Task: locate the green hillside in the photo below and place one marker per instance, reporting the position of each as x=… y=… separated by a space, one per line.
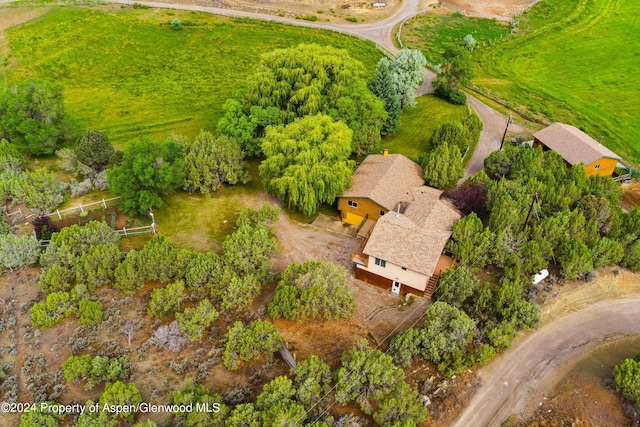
x=126 y=72
x=575 y=61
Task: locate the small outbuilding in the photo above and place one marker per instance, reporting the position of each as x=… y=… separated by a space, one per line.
x=577 y=147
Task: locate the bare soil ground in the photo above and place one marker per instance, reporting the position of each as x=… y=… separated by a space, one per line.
x=631 y=197
x=494 y=7
x=157 y=371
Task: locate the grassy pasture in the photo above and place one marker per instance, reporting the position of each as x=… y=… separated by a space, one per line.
x=127 y=73
x=575 y=61
x=431 y=32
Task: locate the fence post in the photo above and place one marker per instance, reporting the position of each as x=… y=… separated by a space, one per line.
x=58 y=212
x=81 y=210
x=125 y=230
x=103 y=203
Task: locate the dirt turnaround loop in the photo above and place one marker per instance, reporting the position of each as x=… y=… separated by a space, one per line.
x=575 y=322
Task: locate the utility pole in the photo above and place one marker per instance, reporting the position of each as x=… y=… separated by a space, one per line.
x=505 y=131
x=534 y=198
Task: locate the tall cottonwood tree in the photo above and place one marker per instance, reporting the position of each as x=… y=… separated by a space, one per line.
x=307 y=162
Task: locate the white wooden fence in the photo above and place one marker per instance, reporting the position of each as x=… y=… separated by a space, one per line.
x=124 y=232
x=79 y=209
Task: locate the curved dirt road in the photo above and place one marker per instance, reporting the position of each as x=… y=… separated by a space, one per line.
x=515 y=382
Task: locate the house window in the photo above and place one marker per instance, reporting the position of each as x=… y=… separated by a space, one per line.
x=352 y=204
x=381 y=213
x=597 y=166
x=382 y=263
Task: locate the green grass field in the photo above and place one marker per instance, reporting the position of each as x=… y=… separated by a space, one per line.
x=127 y=73
x=417 y=124
x=431 y=32
x=576 y=61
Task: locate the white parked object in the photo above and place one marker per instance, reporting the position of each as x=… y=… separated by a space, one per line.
x=540 y=276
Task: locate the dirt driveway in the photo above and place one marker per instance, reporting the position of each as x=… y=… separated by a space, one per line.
x=377 y=312
x=576 y=321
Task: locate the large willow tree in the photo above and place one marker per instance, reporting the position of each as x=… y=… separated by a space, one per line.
x=305 y=80
x=307 y=161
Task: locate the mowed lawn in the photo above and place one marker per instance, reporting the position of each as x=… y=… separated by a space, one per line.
x=417 y=124
x=127 y=73
x=576 y=61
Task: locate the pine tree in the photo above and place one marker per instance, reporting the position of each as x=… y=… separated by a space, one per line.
x=443 y=167
x=384 y=87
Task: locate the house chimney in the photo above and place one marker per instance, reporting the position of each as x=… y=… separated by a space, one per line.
x=385 y=152
x=398 y=213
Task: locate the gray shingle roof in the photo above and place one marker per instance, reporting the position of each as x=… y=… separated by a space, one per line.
x=573 y=145
x=414 y=240
x=386 y=180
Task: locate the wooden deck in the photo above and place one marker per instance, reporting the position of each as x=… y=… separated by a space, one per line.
x=365 y=230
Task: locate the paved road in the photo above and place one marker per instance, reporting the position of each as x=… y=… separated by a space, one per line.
x=518 y=379
x=491 y=136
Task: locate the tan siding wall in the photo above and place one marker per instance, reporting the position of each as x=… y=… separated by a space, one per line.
x=353 y=215
x=395 y=272
x=607 y=166
x=383 y=282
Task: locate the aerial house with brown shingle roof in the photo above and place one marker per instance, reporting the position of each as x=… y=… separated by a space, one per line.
x=379 y=184
x=404 y=252
x=577 y=147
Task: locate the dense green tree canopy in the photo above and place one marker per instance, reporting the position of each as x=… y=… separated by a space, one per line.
x=147 y=171
x=371 y=378
x=313 y=289
x=32 y=116
x=383 y=86
x=41 y=191
x=306 y=80
x=94 y=150
x=456 y=285
x=193 y=321
x=443 y=166
x=244 y=343
x=211 y=161
x=626 y=379
x=457 y=68
x=72 y=242
x=408 y=69
x=307 y=162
